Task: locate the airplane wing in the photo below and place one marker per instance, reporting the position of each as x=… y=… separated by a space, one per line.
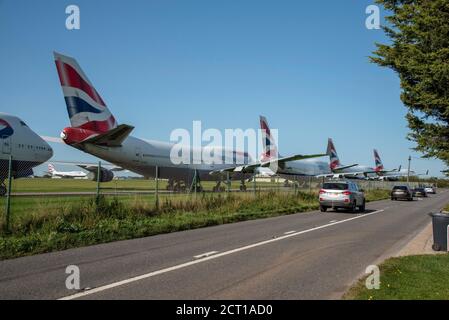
x=342 y=174
x=283 y=160
x=250 y=168
x=381 y=172
x=112 y=138
x=346 y=167
x=345 y=174
x=92 y=166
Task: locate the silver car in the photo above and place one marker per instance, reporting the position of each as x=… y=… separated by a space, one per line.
x=341 y=194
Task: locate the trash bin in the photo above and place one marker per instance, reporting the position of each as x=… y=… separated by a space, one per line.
x=440 y=222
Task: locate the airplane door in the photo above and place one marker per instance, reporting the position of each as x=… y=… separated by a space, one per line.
x=6 y=146
x=138 y=153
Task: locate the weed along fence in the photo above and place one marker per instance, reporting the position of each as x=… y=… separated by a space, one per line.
x=26 y=199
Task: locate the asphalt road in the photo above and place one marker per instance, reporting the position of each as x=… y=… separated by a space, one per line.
x=302 y=256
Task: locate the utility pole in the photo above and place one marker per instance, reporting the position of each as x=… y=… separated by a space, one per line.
x=408 y=171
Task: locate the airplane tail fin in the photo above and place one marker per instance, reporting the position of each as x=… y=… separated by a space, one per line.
x=85 y=107
x=270 y=149
x=378 y=161
x=333 y=156
x=51 y=168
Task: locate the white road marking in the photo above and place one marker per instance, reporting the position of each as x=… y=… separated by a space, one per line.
x=333 y=221
x=213 y=257
x=205 y=255
x=289 y=232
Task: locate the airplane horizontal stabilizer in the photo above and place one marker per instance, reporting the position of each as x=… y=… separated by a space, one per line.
x=112 y=138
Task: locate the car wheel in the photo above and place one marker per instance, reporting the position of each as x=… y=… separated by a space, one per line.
x=323 y=208
x=362 y=207
x=353 y=207
x=436 y=247
x=392 y=199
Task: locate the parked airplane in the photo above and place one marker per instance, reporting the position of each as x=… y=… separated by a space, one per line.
x=95 y=130
x=394 y=174
x=65 y=174
x=288 y=167
x=26 y=148
x=391 y=175
x=349 y=171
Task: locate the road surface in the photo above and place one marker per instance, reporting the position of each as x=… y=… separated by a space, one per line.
x=302 y=256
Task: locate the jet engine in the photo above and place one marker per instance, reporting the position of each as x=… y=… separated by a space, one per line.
x=105 y=175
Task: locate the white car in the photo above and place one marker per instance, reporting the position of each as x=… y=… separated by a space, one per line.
x=429 y=190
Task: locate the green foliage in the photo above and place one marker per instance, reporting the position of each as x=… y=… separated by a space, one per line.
x=419 y=53
x=408 y=278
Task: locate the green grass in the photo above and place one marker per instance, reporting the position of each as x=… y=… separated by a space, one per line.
x=44 y=225
x=73 y=185
x=408 y=278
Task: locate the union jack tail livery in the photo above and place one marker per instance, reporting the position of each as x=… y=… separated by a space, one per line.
x=378 y=161
x=332 y=152
x=85 y=107
x=51 y=168
x=269 y=144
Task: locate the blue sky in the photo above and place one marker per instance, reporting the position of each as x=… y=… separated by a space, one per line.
x=161 y=64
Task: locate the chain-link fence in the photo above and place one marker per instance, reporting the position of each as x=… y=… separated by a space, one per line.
x=25 y=198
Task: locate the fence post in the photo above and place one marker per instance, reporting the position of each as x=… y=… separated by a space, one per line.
x=310 y=184
x=255 y=185
x=157 y=187
x=8 y=194
x=228 y=183
x=97 y=198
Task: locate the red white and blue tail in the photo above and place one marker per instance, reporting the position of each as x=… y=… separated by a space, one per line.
x=378 y=161
x=51 y=168
x=86 y=108
x=270 y=150
x=333 y=156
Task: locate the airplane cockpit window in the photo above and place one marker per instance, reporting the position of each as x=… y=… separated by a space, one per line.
x=23 y=123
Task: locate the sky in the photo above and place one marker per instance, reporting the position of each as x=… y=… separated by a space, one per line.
x=161 y=64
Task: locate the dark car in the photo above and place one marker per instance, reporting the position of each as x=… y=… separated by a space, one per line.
x=420 y=192
x=401 y=192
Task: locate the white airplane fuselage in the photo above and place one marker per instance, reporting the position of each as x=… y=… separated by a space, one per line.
x=307 y=167
x=143 y=156
x=360 y=168
x=26 y=148
x=69 y=174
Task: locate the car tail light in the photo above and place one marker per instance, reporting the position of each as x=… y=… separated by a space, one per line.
x=346 y=200
x=347 y=193
x=322 y=191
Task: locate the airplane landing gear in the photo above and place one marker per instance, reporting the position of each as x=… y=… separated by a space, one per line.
x=218 y=187
x=196 y=183
x=176 y=185
x=2 y=189
x=243 y=185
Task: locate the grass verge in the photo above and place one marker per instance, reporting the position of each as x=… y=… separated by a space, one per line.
x=83 y=223
x=423 y=277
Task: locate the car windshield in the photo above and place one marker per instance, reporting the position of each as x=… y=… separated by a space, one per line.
x=400 y=188
x=335 y=186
